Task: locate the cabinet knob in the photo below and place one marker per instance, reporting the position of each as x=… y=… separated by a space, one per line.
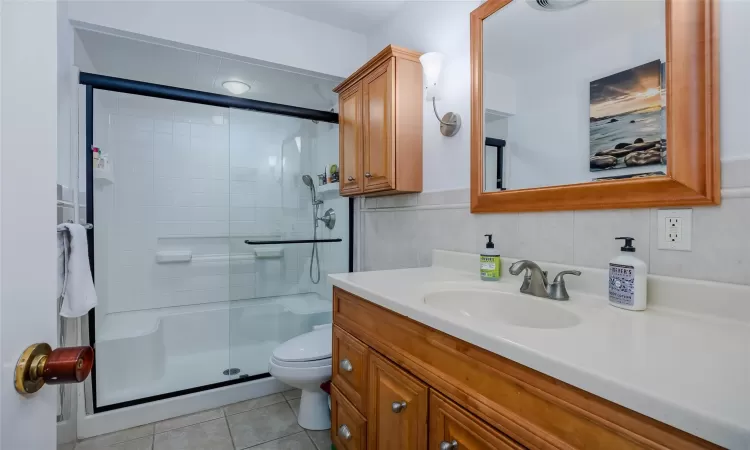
x=345 y=365
x=368 y=175
x=397 y=407
x=452 y=445
x=344 y=433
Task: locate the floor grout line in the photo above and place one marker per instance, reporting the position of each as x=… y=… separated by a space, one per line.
x=253 y=409
x=275 y=439
x=229 y=429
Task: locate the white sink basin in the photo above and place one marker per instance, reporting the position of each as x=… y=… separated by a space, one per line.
x=498 y=306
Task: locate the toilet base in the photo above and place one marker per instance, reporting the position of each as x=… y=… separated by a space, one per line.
x=313 y=410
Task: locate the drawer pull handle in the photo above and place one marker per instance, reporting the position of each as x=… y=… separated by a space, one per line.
x=345 y=365
x=452 y=445
x=351 y=178
x=344 y=433
x=368 y=175
x=397 y=407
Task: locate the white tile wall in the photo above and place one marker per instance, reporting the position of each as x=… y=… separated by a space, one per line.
x=185 y=180
x=400 y=232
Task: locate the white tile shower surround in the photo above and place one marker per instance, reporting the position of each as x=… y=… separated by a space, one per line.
x=265 y=423
x=401 y=232
x=184 y=182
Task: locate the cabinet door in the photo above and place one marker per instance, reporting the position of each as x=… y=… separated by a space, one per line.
x=350 y=141
x=397 y=408
x=348 y=427
x=379 y=144
x=453 y=428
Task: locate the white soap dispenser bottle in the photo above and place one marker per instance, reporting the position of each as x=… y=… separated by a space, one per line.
x=628 y=276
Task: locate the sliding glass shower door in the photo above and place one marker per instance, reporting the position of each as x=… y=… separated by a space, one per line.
x=204 y=256
x=278 y=286
x=161 y=246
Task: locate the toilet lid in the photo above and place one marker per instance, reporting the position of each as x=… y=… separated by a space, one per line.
x=306 y=347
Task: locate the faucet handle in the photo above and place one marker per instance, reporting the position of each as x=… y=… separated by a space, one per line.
x=559 y=277
x=557 y=289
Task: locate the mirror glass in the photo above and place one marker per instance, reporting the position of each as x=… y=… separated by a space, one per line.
x=573 y=92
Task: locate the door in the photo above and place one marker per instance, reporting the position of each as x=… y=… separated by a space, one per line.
x=28 y=249
x=379 y=139
x=397 y=413
x=455 y=429
x=350 y=141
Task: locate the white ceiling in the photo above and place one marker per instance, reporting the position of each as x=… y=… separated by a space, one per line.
x=144 y=61
x=359 y=16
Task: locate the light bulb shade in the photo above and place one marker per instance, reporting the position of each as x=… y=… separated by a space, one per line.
x=235 y=87
x=432 y=65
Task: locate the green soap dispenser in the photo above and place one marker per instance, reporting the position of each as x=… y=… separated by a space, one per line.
x=489 y=261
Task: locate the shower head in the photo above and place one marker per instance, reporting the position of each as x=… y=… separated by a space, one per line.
x=307 y=179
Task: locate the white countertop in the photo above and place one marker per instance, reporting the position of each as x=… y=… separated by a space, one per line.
x=687 y=370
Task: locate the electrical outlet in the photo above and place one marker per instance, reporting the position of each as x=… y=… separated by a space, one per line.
x=675 y=229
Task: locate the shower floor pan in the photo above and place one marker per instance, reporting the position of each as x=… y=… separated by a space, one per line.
x=141 y=354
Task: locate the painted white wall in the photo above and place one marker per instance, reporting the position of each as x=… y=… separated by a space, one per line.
x=441 y=27
x=499 y=93
x=239 y=28
x=444 y=27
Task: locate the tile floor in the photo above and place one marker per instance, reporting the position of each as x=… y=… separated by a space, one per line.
x=266 y=423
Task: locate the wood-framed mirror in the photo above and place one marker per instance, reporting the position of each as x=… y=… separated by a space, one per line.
x=586 y=99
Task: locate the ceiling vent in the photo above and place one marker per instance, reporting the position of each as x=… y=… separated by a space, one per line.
x=553 y=5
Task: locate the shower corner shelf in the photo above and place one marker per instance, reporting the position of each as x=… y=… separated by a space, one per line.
x=330 y=187
x=104 y=176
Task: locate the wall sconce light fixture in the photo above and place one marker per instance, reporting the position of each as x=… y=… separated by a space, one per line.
x=432 y=64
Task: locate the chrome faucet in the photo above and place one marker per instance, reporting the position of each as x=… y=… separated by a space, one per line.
x=535 y=280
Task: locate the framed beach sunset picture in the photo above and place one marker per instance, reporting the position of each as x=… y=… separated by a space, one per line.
x=625 y=119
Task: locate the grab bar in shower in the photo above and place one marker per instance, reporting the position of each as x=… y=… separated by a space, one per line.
x=292 y=241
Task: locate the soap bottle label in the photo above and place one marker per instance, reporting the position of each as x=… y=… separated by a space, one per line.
x=621 y=284
x=489 y=266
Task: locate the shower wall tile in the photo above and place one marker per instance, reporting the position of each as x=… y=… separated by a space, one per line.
x=184 y=183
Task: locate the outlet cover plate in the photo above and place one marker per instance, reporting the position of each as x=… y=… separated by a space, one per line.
x=675 y=229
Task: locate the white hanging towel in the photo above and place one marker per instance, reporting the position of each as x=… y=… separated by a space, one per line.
x=79 y=295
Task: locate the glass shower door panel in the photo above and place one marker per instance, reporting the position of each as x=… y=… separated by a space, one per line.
x=161 y=242
x=274 y=166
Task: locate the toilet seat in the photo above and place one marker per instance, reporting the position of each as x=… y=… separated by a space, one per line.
x=305 y=349
x=324 y=362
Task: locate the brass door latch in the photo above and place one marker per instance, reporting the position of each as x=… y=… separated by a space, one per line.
x=39 y=364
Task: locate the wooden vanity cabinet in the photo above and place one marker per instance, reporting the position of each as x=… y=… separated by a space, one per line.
x=380 y=126
x=426 y=389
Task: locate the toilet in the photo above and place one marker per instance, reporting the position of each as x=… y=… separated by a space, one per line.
x=304 y=362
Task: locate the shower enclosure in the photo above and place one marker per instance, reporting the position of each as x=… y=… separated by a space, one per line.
x=211 y=242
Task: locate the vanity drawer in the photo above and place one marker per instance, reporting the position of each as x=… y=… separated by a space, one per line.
x=534 y=409
x=350 y=358
x=452 y=424
x=348 y=426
